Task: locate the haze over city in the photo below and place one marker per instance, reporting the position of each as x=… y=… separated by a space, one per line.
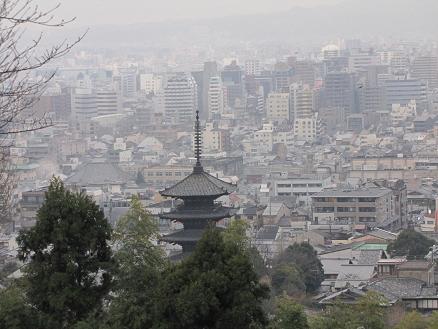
x=197 y=164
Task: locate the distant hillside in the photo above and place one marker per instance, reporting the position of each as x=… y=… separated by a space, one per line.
x=354 y=18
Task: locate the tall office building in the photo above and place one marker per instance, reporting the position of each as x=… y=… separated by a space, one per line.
x=339 y=91
x=360 y=60
x=403 y=91
x=83 y=104
x=210 y=70
x=108 y=102
x=281 y=76
x=232 y=77
x=180 y=99
x=128 y=81
x=215 y=97
x=301 y=101
x=426 y=69
x=305 y=73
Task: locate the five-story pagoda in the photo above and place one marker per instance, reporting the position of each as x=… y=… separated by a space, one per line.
x=198 y=191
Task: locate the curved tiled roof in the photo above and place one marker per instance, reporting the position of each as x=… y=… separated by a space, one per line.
x=199 y=184
x=98 y=173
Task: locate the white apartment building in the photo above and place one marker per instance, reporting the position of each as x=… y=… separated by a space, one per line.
x=277 y=107
x=180 y=99
x=401 y=114
x=215 y=96
x=301 y=101
x=252 y=67
x=307 y=129
x=151 y=83
x=301 y=187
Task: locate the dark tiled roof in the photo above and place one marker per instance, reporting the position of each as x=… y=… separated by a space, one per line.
x=396 y=288
x=216 y=213
x=369 y=257
x=199 y=184
x=267 y=232
x=98 y=173
x=184 y=236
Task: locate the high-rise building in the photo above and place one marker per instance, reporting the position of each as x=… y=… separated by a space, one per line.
x=281 y=76
x=232 y=77
x=83 y=104
x=405 y=90
x=360 y=60
x=150 y=83
x=301 y=101
x=180 y=98
x=128 y=81
x=339 y=91
x=210 y=70
x=108 y=102
x=215 y=97
x=307 y=129
x=252 y=67
x=277 y=107
x=426 y=68
x=305 y=73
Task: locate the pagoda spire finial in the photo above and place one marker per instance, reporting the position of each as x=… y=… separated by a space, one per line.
x=198 y=147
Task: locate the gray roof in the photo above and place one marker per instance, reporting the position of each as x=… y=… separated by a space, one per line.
x=369 y=257
x=98 y=173
x=368 y=192
x=395 y=288
x=354 y=275
x=199 y=184
x=267 y=232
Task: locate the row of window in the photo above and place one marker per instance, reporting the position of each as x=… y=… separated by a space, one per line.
x=344 y=199
x=167 y=173
x=299 y=185
x=343 y=209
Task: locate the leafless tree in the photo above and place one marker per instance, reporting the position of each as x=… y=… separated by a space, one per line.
x=20 y=88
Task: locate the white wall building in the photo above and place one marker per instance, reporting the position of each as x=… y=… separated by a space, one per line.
x=215 y=96
x=307 y=129
x=277 y=107
x=180 y=99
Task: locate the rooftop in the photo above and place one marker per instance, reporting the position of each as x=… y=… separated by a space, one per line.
x=362 y=193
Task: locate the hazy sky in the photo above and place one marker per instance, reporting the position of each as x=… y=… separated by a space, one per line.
x=90 y=12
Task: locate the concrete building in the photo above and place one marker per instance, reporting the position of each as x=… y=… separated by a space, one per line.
x=360 y=60
x=339 y=91
x=404 y=91
x=252 y=67
x=425 y=68
x=374 y=207
x=128 y=81
x=400 y=115
x=180 y=99
x=301 y=101
x=277 y=107
x=215 y=97
x=307 y=129
x=301 y=187
x=108 y=102
x=150 y=83
x=215 y=140
x=83 y=104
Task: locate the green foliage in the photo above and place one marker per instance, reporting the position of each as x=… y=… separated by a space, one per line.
x=236 y=233
x=215 y=287
x=433 y=321
x=287 y=279
x=305 y=259
x=410 y=243
x=15 y=312
x=70 y=261
x=289 y=315
x=139 y=265
x=413 y=320
x=368 y=313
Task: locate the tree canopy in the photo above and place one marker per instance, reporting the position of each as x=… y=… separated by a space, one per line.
x=70 y=261
x=215 y=287
x=289 y=315
x=304 y=259
x=412 y=244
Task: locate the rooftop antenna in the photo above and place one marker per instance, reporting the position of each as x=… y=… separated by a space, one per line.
x=198 y=147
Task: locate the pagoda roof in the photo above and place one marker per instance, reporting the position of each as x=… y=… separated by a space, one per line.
x=199 y=183
x=188 y=236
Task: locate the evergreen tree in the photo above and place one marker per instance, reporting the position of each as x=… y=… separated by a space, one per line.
x=15 y=312
x=216 y=287
x=412 y=244
x=69 y=259
x=305 y=259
